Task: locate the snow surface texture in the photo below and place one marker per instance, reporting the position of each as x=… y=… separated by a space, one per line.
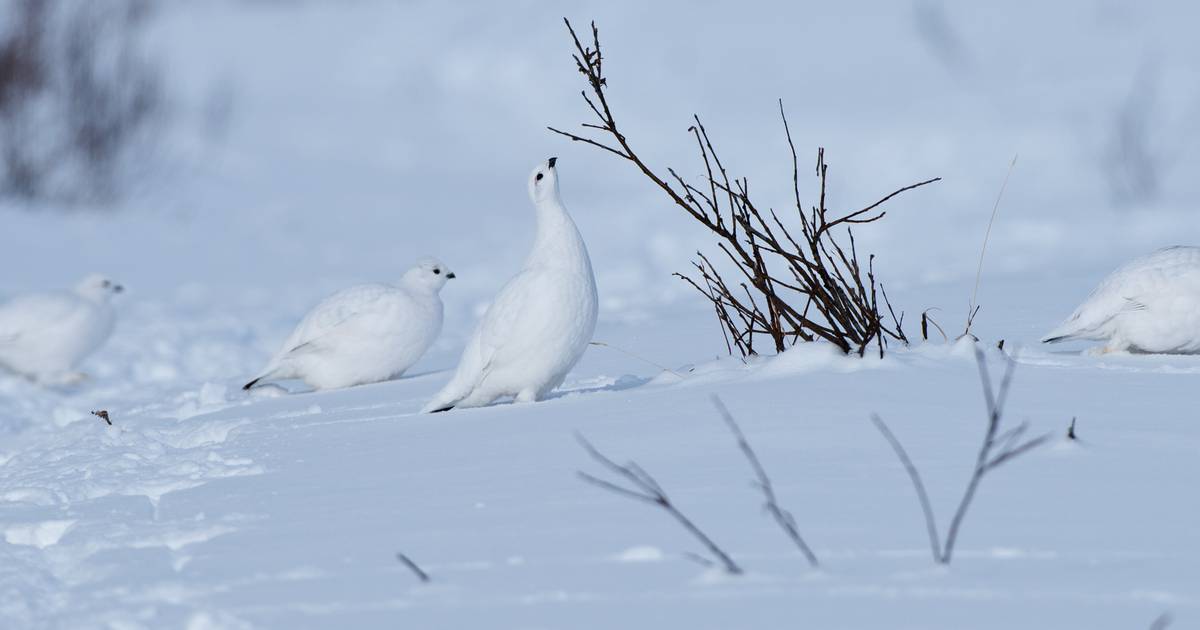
x=413 y=125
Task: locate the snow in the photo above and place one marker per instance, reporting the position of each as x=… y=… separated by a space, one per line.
x=204 y=507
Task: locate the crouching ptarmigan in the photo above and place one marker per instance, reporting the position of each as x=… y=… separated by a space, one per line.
x=44 y=335
x=364 y=334
x=541 y=321
x=1149 y=305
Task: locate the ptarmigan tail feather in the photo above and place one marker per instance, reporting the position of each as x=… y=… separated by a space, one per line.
x=272 y=372
x=1066 y=332
x=446 y=399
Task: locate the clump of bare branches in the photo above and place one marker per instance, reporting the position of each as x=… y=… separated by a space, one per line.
x=763 y=482
x=646 y=489
x=76 y=95
x=794 y=284
x=998 y=448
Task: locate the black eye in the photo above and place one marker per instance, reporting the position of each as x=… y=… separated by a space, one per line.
x=437 y=271
x=106 y=284
x=538 y=178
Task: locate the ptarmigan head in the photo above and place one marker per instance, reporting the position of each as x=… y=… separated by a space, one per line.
x=543 y=182
x=429 y=274
x=98 y=288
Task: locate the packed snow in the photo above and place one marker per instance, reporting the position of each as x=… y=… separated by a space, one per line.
x=357 y=137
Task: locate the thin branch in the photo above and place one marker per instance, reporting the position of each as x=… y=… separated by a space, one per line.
x=649 y=491
x=783 y=517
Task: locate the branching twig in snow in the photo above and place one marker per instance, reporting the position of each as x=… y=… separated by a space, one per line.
x=418 y=571
x=997 y=449
x=763 y=483
x=647 y=490
x=103 y=415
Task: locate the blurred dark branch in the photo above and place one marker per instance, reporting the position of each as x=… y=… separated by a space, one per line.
x=783 y=517
x=646 y=490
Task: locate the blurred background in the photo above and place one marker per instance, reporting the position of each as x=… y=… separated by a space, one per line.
x=256 y=143
x=266 y=152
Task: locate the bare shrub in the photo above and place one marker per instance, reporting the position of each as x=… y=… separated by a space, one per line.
x=76 y=95
x=794 y=284
x=997 y=449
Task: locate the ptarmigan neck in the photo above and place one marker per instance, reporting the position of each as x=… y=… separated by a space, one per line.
x=557 y=243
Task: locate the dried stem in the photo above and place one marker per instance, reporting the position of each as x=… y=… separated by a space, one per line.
x=973 y=307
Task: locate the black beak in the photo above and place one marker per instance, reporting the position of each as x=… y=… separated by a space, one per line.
x=117 y=288
x=551 y=162
x=451 y=276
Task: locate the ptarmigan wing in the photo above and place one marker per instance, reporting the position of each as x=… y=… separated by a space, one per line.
x=333 y=313
x=28 y=314
x=1145 y=284
x=493 y=333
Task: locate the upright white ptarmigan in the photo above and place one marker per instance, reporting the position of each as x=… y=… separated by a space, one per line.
x=364 y=334
x=1149 y=305
x=44 y=335
x=541 y=321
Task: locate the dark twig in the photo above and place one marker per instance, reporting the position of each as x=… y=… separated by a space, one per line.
x=1161 y=622
x=103 y=415
x=646 y=490
x=997 y=449
x=783 y=517
x=1071 y=430
x=412 y=566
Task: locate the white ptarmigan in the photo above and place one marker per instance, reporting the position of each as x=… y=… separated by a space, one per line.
x=1149 y=305
x=44 y=335
x=364 y=334
x=541 y=321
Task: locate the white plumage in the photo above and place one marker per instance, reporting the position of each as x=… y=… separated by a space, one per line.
x=541 y=321
x=364 y=334
x=44 y=335
x=1149 y=305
